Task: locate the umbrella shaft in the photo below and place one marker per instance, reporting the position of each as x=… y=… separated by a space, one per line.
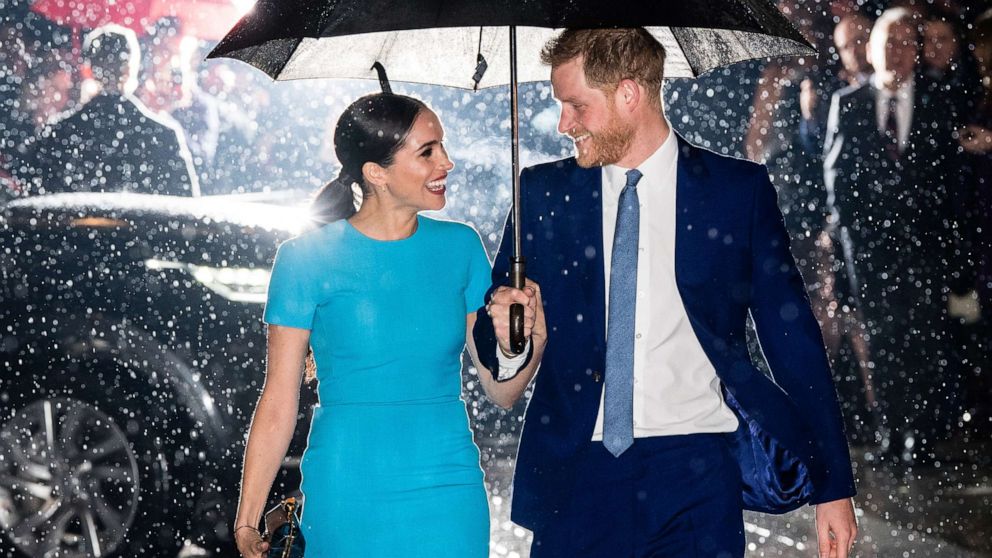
x=515 y=143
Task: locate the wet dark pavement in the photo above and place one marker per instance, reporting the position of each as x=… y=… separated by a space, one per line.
x=940 y=510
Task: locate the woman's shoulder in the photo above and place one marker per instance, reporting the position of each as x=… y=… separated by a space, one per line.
x=450 y=228
x=316 y=240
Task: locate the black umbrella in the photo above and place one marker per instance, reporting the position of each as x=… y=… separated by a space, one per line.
x=473 y=44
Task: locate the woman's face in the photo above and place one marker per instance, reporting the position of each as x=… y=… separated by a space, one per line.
x=417 y=178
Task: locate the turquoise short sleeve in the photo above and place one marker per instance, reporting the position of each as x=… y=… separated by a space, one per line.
x=291 y=300
x=479 y=274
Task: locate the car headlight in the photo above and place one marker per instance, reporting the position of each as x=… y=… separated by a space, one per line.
x=239 y=284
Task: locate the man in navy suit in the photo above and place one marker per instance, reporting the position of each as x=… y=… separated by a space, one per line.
x=649 y=429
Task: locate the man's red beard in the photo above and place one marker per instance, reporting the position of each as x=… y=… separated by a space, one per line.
x=605 y=147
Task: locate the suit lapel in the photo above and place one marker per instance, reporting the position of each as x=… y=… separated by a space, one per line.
x=587 y=228
x=690 y=211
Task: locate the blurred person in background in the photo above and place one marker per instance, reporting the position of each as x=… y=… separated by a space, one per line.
x=15 y=120
x=941 y=48
x=786 y=133
x=976 y=140
x=160 y=49
x=843 y=325
x=50 y=90
x=851 y=42
x=772 y=134
x=892 y=172
x=112 y=142
x=170 y=87
x=950 y=70
x=233 y=167
x=46 y=94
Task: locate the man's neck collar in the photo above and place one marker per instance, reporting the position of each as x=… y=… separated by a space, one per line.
x=665 y=155
x=648 y=138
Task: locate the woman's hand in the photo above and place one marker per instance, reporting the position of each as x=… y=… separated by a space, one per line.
x=507 y=391
x=499 y=311
x=271 y=431
x=250 y=543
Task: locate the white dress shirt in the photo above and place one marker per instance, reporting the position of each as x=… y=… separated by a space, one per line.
x=510 y=366
x=904 y=108
x=676 y=389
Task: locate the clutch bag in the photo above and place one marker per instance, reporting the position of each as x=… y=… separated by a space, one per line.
x=282 y=531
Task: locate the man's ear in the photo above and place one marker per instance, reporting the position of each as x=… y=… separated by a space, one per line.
x=629 y=95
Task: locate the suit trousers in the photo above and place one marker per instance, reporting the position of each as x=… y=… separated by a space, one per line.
x=677 y=496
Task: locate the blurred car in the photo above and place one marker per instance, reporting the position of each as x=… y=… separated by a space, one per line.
x=132 y=354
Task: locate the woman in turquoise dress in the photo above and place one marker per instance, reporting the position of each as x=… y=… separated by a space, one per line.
x=384 y=298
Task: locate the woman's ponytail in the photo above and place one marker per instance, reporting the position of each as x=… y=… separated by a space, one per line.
x=335 y=201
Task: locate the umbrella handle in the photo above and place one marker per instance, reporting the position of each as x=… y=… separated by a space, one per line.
x=517 y=281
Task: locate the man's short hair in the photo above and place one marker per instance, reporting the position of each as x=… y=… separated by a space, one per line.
x=612 y=55
x=113 y=54
x=880 y=31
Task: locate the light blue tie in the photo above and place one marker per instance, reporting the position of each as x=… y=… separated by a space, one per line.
x=618 y=407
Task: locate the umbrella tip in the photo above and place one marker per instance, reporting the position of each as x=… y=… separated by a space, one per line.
x=383 y=80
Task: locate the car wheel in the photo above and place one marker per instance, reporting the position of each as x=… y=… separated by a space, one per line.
x=70 y=479
x=85 y=466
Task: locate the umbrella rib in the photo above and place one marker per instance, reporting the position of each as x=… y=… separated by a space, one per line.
x=382 y=47
x=254 y=56
x=762 y=21
x=481 y=66
x=288 y=59
x=675 y=35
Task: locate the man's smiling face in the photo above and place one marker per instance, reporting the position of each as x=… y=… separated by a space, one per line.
x=589 y=116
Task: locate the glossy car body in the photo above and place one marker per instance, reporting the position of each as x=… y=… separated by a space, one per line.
x=132 y=354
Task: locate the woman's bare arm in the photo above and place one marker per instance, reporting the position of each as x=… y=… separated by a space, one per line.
x=271 y=429
x=506 y=393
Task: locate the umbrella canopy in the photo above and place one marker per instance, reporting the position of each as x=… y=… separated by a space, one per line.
x=464 y=43
x=439 y=41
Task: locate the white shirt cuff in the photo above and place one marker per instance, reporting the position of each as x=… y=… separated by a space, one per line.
x=509 y=366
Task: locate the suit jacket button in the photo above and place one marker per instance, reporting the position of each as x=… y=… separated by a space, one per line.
x=597 y=377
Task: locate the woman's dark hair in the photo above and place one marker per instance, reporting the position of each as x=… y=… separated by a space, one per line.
x=371 y=130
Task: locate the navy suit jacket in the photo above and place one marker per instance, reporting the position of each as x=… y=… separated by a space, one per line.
x=732 y=258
